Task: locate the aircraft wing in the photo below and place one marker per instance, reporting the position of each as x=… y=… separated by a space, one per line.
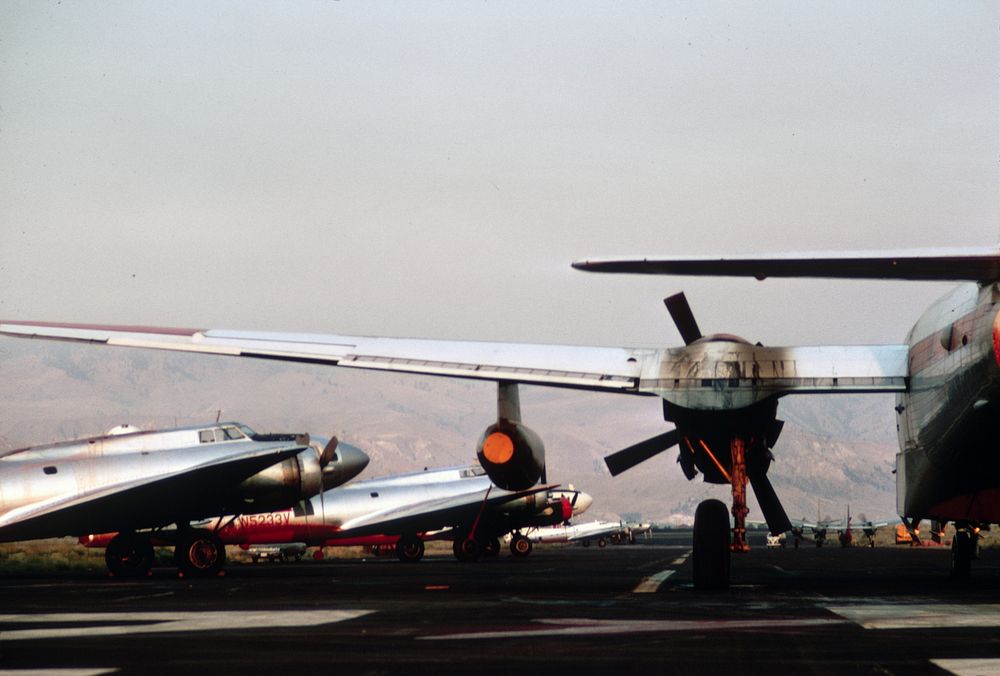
x=975 y=265
x=149 y=502
x=688 y=375
x=433 y=514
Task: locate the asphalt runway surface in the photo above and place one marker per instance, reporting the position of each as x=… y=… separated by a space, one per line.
x=790 y=611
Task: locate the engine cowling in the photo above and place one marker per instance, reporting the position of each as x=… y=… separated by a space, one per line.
x=512 y=455
x=282 y=485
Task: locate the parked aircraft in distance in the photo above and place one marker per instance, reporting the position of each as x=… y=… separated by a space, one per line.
x=403 y=511
x=600 y=532
x=720 y=391
x=135 y=480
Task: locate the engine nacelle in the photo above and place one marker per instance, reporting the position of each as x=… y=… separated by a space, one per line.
x=282 y=485
x=512 y=455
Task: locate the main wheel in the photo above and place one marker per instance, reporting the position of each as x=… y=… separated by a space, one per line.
x=129 y=555
x=491 y=547
x=520 y=545
x=467 y=550
x=963 y=550
x=710 y=557
x=409 y=549
x=200 y=553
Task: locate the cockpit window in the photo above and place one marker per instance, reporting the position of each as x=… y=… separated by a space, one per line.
x=472 y=471
x=232 y=433
x=206 y=436
x=247 y=431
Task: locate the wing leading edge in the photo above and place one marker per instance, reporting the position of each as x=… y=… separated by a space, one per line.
x=690 y=373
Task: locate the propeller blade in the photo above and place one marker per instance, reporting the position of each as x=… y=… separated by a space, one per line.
x=775 y=432
x=680 y=312
x=628 y=458
x=328 y=453
x=770 y=505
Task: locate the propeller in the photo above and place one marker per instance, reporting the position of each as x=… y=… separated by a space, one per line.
x=329 y=452
x=628 y=458
x=683 y=317
x=774 y=514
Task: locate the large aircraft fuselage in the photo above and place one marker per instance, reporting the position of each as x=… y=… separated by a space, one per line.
x=948 y=419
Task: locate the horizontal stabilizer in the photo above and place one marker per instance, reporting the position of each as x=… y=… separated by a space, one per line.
x=975 y=265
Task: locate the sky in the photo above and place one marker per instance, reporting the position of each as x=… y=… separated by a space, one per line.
x=432 y=169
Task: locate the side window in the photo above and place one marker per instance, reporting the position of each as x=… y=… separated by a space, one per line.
x=232 y=433
x=206 y=436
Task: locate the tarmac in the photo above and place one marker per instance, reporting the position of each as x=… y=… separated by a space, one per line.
x=789 y=611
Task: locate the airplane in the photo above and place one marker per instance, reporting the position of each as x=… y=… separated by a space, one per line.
x=128 y=481
x=403 y=511
x=720 y=391
x=599 y=531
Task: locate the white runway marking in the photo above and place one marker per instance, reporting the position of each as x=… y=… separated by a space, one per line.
x=969 y=667
x=653 y=582
x=56 y=672
x=119 y=624
x=585 y=627
x=921 y=616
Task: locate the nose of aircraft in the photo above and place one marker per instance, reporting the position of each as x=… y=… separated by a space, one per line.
x=583 y=503
x=349 y=462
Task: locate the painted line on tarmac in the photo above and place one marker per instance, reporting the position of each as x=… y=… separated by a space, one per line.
x=58 y=672
x=969 y=667
x=653 y=582
x=921 y=616
x=591 y=627
x=126 y=624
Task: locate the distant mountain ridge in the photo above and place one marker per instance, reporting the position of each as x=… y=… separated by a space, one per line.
x=834 y=450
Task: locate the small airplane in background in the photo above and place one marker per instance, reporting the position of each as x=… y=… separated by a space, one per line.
x=601 y=532
x=403 y=511
x=133 y=481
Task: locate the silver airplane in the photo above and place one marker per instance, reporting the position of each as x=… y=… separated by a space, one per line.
x=720 y=391
x=401 y=512
x=136 y=480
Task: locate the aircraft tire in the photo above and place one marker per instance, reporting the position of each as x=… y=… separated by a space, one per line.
x=491 y=547
x=710 y=555
x=409 y=549
x=467 y=549
x=601 y=542
x=129 y=555
x=963 y=549
x=520 y=546
x=200 y=553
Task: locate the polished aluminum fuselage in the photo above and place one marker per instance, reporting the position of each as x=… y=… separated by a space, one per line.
x=948 y=418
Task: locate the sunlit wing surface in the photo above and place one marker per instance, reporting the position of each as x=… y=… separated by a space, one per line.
x=976 y=265
x=686 y=375
x=431 y=515
x=153 y=500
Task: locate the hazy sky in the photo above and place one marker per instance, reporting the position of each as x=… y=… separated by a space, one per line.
x=432 y=169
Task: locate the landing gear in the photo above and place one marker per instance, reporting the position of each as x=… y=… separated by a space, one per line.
x=737 y=452
x=710 y=557
x=409 y=549
x=129 y=555
x=520 y=546
x=491 y=547
x=467 y=549
x=200 y=553
x=964 y=548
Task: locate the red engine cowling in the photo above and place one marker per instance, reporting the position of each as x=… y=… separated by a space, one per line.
x=512 y=455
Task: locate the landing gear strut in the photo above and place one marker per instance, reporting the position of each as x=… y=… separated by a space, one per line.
x=738 y=479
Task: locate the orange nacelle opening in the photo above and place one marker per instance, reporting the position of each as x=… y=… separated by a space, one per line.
x=498 y=448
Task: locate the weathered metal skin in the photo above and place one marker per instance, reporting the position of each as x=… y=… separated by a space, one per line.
x=948 y=467
x=150 y=479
